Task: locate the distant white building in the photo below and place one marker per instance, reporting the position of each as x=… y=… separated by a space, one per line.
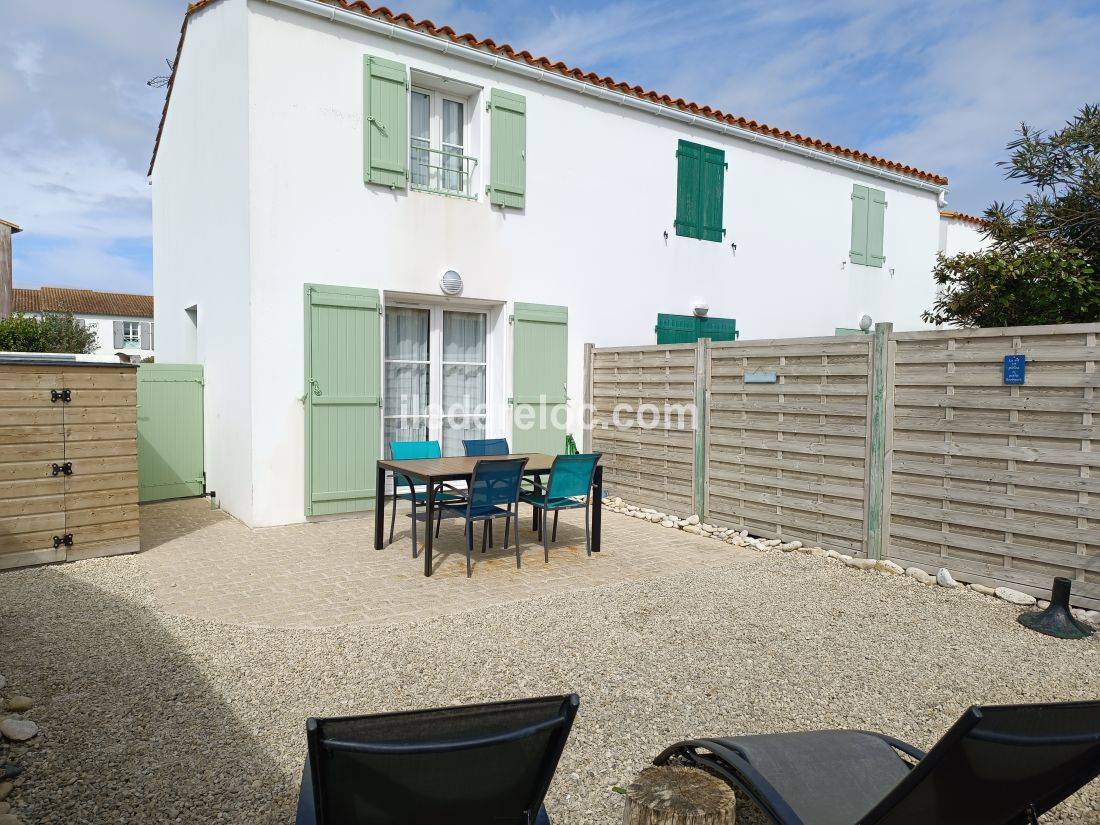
x=362 y=223
x=123 y=322
x=960 y=232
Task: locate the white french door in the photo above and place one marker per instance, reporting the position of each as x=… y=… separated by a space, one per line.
x=435 y=371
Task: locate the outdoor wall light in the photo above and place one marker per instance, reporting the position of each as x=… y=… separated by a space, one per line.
x=451 y=283
x=666 y=234
x=865 y=322
x=700 y=310
x=733 y=246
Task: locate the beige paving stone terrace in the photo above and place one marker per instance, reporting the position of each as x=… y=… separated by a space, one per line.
x=203 y=563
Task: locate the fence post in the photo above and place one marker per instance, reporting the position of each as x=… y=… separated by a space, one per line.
x=876 y=458
x=702 y=390
x=586 y=411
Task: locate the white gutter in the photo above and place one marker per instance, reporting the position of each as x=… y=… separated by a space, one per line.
x=493 y=61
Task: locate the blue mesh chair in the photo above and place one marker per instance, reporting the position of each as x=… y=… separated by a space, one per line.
x=485 y=446
x=570 y=481
x=410 y=451
x=493 y=493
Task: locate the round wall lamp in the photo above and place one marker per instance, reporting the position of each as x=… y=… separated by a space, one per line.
x=451 y=283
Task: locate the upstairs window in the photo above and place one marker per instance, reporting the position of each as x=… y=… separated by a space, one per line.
x=700 y=181
x=437 y=143
x=131 y=335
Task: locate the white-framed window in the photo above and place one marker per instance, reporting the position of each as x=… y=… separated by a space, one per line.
x=131 y=334
x=438 y=141
x=435 y=381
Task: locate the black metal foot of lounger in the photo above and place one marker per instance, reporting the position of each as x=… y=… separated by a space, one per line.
x=997 y=765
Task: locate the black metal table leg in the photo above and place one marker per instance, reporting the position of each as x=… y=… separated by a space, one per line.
x=431 y=516
x=597 y=508
x=379 y=505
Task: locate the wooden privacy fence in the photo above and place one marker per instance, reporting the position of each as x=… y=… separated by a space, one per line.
x=908 y=446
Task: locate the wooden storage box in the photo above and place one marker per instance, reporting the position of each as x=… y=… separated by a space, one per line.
x=68 y=460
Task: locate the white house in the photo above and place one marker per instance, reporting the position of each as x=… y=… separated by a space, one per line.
x=123 y=322
x=960 y=232
x=368 y=228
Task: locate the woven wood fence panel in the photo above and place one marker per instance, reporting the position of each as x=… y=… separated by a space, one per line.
x=788 y=459
x=652 y=467
x=994 y=481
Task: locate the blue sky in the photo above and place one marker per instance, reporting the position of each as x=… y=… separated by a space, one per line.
x=939 y=84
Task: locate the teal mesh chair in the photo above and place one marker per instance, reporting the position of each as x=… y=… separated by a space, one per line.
x=485 y=446
x=569 y=487
x=410 y=451
x=493 y=493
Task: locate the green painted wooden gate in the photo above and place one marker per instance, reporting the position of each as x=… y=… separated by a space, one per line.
x=170 y=454
x=540 y=346
x=343 y=398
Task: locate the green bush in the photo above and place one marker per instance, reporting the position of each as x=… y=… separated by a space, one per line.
x=50 y=333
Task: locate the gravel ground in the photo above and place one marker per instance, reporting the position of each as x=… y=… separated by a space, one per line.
x=148 y=717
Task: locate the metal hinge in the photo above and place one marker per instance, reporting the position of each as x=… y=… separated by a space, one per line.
x=66 y=468
x=66 y=539
x=60 y=395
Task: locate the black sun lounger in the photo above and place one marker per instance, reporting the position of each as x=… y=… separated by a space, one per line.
x=464 y=765
x=998 y=765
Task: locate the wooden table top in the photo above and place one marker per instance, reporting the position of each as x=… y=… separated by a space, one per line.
x=461 y=466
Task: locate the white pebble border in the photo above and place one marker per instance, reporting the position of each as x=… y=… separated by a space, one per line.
x=741 y=538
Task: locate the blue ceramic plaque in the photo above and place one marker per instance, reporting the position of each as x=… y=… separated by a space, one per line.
x=1015 y=368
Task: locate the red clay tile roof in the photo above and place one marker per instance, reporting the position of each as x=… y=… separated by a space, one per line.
x=962 y=216
x=82 y=302
x=504 y=50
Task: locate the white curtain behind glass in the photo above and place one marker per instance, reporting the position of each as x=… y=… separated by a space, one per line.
x=420 y=134
x=406 y=390
x=464 y=390
x=453 y=123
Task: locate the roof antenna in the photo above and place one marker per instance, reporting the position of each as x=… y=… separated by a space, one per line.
x=161 y=80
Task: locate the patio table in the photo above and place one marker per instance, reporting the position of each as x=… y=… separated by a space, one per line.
x=432 y=471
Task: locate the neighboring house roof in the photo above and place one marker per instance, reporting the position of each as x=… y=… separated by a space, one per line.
x=962 y=216
x=82 y=302
x=544 y=63
x=14 y=227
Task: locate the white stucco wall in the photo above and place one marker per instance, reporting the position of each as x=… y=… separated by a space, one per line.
x=201 y=240
x=601 y=191
x=960 y=235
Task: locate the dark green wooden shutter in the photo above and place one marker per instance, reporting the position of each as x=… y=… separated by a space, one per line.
x=676 y=329
x=540 y=357
x=858 y=251
x=689 y=195
x=687 y=329
x=343 y=403
x=507 y=149
x=385 y=122
x=700 y=185
x=718 y=329
x=876 y=227
x=712 y=171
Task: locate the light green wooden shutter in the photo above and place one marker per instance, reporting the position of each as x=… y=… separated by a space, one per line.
x=343 y=412
x=689 y=195
x=876 y=227
x=385 y=122
x=858 y=251
x=712 y=181
x=508 y=149
x=540 y=347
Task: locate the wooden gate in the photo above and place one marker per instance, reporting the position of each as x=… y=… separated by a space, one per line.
x=170 y=448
